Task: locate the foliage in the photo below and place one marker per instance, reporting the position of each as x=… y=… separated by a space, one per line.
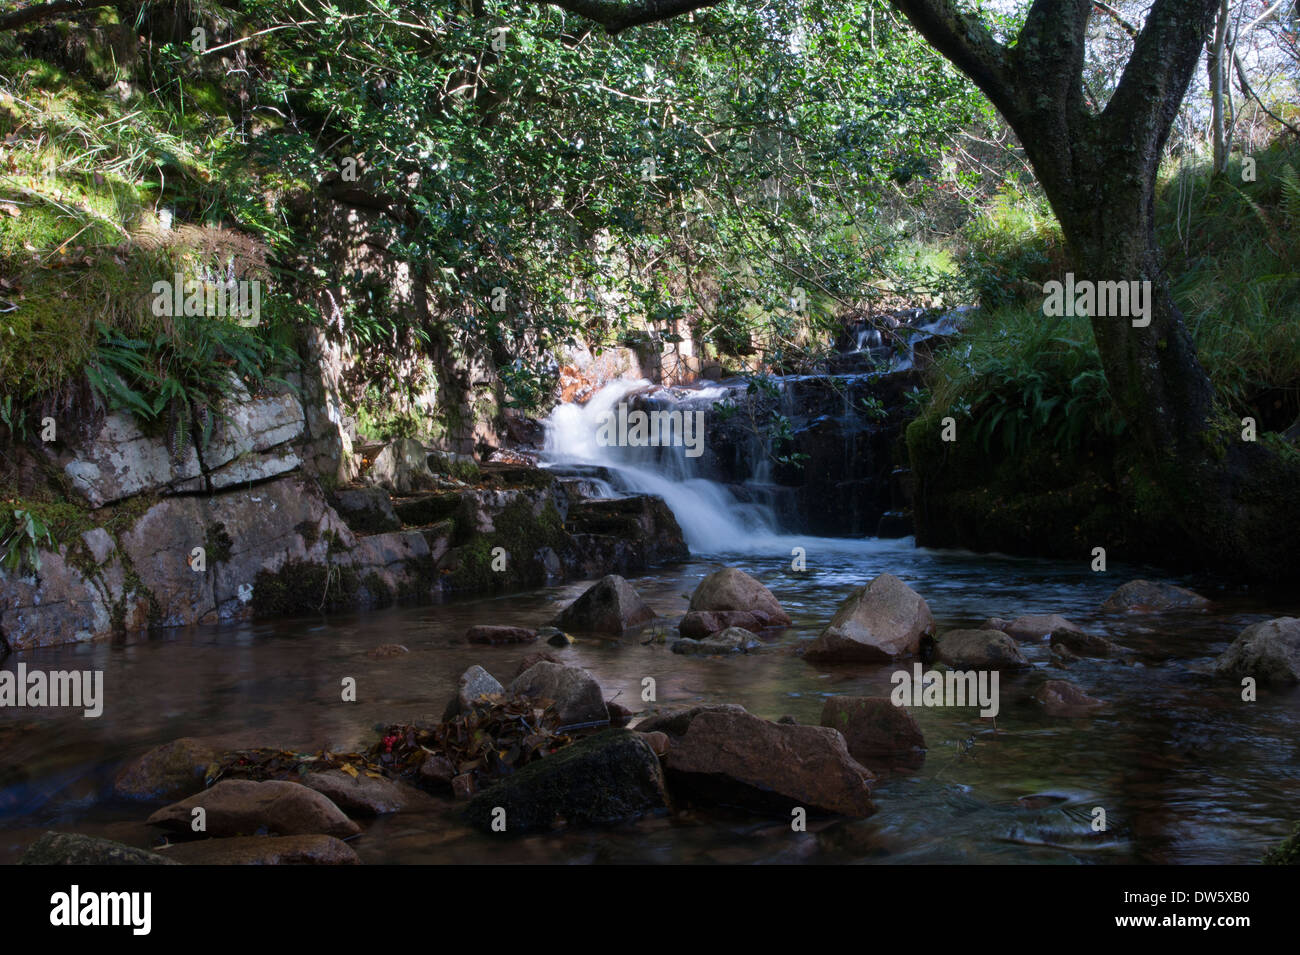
x=21 y=536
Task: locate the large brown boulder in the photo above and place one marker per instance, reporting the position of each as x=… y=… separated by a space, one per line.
x=1268 y=651
x=873 y=727
x=237 y=807
x=732 y=589
x=1148 y=596
x=361 y=795
x=577 y=696
x=611 y=605
x=881 y=621
x=739 y=759
x=979 y=650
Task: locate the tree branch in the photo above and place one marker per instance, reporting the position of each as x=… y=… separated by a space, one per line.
x=43 y=11
x=965 y=41
x=618 y=15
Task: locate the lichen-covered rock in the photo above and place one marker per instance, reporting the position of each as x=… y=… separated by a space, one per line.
x=731 y=640
x=610 y=777
x=881 y=621
x=67 y=848
x=1268 y=651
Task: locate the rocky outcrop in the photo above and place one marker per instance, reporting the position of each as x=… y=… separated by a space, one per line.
x=979 y=650
x=611 y=605
x=730 y=589
x=881 y=621
x=873 y=728
x=1147 y=596
x=235 y=807
x=1268 y=651
x=611 y=777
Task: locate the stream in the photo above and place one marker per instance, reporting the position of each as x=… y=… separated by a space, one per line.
x=1185 y=771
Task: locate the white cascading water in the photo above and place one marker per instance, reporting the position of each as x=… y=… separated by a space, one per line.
x=712 y=520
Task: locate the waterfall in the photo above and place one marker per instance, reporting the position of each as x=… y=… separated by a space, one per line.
x=712 y=519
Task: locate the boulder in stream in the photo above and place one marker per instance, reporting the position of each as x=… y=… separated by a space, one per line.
x=881 y=621
x=610 y=777
x=698 y=624
x=1268 y=651
x=735 y=590
x=171 y=771
x=873 y=727
x=1148 y=596
x=611 y=605
x=731 y=640
x=1062 y=698
x=732 y=757
x=236 y=807
x=979 y=650
x=577 y=696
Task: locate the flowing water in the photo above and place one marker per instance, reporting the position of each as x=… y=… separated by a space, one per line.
x=1184 y=770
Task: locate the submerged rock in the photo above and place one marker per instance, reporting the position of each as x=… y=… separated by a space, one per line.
x=235 y=807
x=577 y=696
x=497 y=636
x=735 y=590
x=1062 y=698
x=1268 y=651
x=70 y=848
x=698 y=624
x=1077 y=643
x=1034 y=626
x=979 y=650
x=1147 y=596
x=611 y=605
x=610 y=777
x=264 y=850
x=873 y=727
x=881 y=621
x=731 y=640
x=171 y=771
